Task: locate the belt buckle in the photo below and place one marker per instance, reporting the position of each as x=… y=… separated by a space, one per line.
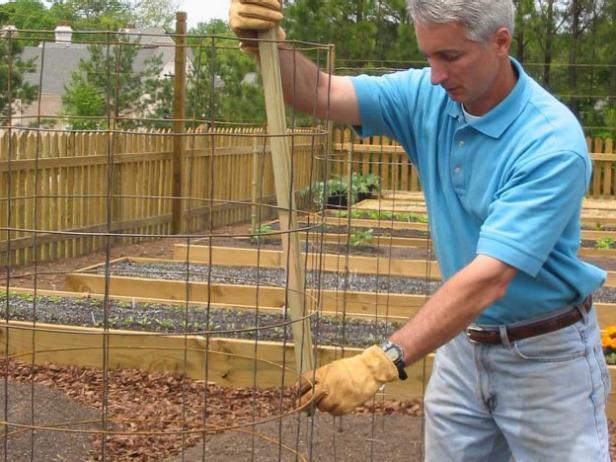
x=469 y=330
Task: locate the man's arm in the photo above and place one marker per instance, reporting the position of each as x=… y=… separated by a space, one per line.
x=454 y=306
x=305 y=87
x=312 y=91
x=342 y=385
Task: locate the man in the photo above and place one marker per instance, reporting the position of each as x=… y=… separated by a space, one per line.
x=519 y=369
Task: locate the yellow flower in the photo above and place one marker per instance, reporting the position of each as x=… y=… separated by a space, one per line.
x=608 y=337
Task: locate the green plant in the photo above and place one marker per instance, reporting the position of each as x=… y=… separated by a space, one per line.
x=373 y=182
x=363 y=237
x=604 y=243
x=260 y=233
x=373 y=214
x=386 y=215
x=357 y=213
x=166 y=324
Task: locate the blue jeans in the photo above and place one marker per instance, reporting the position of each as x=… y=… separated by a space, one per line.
x=538 y=399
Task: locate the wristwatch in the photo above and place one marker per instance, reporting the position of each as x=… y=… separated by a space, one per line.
x=394 y=352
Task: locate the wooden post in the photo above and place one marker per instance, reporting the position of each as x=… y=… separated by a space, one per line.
x=179 y=100
x=254 y=191
x=281 y=160
x=331 y=67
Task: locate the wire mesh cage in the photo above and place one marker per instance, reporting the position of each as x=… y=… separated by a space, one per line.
x=156 y=272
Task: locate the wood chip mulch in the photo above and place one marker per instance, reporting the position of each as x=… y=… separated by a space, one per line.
x=152 y=416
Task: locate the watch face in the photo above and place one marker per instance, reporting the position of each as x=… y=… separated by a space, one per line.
x=392 y=352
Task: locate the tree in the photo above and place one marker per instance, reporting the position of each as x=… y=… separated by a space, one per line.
x=223 y=83
x=154 y=13
x=12 y=84
x=91 y=14
x=106 y=86
x=28 y=15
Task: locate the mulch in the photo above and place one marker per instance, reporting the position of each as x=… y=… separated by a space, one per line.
x=159 y=416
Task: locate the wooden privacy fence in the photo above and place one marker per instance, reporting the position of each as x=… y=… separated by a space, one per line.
x=387 y=159
x=104 y=182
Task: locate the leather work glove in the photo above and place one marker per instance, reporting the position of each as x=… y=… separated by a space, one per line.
x=342 y=385
x=248 y=17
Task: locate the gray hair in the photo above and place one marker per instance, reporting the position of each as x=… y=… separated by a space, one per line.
x=480 y=17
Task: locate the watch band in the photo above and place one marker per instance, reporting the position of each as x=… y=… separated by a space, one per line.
x=394 y=352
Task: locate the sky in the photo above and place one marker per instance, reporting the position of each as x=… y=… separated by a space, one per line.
x=203 y=10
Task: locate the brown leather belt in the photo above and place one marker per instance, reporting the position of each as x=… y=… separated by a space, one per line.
x=492 y=336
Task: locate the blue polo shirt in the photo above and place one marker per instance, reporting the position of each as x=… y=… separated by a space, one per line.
x=509 y=185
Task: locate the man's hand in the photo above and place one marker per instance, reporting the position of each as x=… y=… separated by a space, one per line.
x=341 y=386
x=248 y=17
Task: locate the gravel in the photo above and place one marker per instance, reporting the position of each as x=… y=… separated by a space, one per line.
x=276 y=277
x=219 y=322
x=270 y=277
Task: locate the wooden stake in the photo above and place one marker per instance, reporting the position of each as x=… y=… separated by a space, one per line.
x=281 y=160
x=179 y=100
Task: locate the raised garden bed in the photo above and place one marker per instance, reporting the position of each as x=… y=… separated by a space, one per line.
x=358 y=294
x=240 y=348
x=380 y=264
x=224 y=322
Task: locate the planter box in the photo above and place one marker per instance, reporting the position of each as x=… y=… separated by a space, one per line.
x=238 y=256
x=230 y=363
x=333 y=302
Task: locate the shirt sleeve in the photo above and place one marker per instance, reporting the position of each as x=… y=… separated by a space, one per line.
x=532 y=208
x=386 y=103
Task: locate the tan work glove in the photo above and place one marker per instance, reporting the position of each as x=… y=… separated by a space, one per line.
x=248 y=17
x=342 y=385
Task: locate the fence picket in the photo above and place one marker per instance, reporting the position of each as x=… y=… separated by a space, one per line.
x=73 y=195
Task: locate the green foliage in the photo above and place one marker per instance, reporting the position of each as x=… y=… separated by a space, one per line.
x=384 y=215
x=10 y=58
x=154 y=13
x=223 y=83
x=366 y=184
x=361 y=237
x=366 y=32
x=107 y=83
x=338 y=186
x=82 y=101
x=260 y=233
x=93 y=14
x=604 y=243
x=28 y=15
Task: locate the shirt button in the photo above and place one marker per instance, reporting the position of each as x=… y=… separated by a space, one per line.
x=457 y=169
x=461 y=143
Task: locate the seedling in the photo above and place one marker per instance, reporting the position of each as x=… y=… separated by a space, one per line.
x=358 y=238
x=604 y=243
x=260 y=234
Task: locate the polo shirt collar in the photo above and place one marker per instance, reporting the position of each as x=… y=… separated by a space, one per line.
x=498 y=119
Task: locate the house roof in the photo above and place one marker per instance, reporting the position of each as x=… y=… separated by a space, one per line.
x=62 y=59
